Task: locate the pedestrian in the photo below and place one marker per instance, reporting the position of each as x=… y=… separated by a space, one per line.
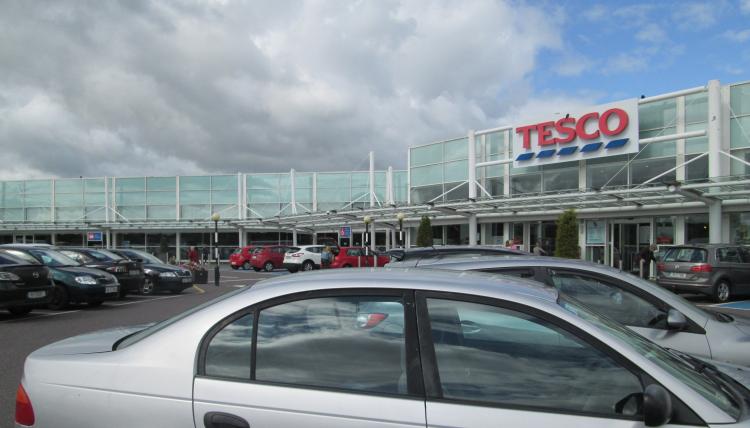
x=326 y=257
x=538 y=250
x=193 y=255
x=646 y=256
x=508 y=244
x=616 y=257
x=206 y=253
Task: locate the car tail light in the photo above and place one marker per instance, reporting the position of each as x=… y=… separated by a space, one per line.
x=367 y=321
x=660 y=267
x=24 y=411
x=297 y=255
x=703 y=267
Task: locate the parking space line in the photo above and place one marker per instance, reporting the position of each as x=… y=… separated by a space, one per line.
x=38 y=315
x=149 y=300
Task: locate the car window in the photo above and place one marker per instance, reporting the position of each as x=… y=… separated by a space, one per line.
x=352 y=343
x=23 y=256
x=518 y=272
x=745 y=255
x=686 y=255
x=80 y=258
x=230 y=351
x=354 y=252
x=728 y=255
x=488 y=354
x=607 y=298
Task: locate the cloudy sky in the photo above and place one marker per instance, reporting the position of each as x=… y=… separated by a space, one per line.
x=137 y=87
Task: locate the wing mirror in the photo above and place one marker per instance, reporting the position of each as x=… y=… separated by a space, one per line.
x=676 y=320
x=657 y=405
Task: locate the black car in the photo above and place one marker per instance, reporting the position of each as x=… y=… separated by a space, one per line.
x=129 y=273
x=423 y=255
x=73 y=283
x=158 y=275
x=24 y=284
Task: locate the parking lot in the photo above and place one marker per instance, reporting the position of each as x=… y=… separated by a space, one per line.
x=21 y=336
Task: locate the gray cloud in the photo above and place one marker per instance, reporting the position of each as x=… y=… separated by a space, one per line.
x=154 y=88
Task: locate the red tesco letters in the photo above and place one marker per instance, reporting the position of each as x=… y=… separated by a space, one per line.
x=568 y=129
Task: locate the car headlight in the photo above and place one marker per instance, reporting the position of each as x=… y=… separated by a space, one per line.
x=88 y=280
x=168 y=274
x=148 y=271
x=9 y=276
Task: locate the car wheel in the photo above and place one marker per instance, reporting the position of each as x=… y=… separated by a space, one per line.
x=268 y=267
x=96 y=303
x=246 y=266
x=292 y=270
x=60 y=298
x=257 y=269
x=235 y=267
x=347 y=266
x=176 y=291
x=308 y=266
x=722 y=291
x=18 y=311
x=148 y=286
x=123 y=291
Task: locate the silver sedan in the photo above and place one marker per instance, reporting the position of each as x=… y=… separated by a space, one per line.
x=378 y=348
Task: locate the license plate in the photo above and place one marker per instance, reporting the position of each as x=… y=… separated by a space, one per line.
x=681 y=275
x=36 y=294
x=110 y=290
x=135 y=272
x=187 y=280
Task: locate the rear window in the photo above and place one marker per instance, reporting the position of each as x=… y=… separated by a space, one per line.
x=292 y=249
x=686 y=255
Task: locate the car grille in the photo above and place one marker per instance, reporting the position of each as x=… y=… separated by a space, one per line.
x=185 y=273
x=103 y=281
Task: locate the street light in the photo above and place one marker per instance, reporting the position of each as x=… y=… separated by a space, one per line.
x=216 y=217
x=401 y=217
x=367 y=221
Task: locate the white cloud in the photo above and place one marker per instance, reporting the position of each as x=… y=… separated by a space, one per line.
x=697 y=16
x=652 y=33
x=626 y=63
x=574 y=64
x=737 y=36
x=596 y=12
x=745 y=6
x=736 y=71
x=195 y=87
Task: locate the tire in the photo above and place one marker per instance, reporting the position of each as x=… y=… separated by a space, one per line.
x=256 y=269
x=347 y=266
x=235 y=267
x=148 y=286
x=123 y=291
x=95 y=303
x=292 y=270
x=268 y=266
x=176 y=291
x=19 y=311
x=308 y=266
x=246 y=266
x=722 y=292
x=60 y=298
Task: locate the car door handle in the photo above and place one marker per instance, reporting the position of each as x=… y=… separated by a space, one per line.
x=224 y=420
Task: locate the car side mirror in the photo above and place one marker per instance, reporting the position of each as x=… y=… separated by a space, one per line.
x=676 y=320
x=657 y=406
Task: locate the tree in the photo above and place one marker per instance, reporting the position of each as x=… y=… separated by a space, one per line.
x=424 y=233
x=567 y=236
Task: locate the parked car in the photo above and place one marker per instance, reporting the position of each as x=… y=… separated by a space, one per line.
x=268 y=257
x=305 y=257
x=424 y=255
x=355 y=257
x=73 y=283
x=158 y=276
x=129 y=273
x=657 y=314
x=241 y=257
x=328 y=350
x=24 y=285
x=720 y=271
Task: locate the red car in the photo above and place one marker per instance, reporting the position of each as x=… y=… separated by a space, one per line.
x=268 y=257
x=355 y=257
x=241 y=257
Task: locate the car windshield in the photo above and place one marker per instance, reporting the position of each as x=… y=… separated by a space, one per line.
x=104 y=255
x=53 y=258
x=677 y=367
x=147 y=258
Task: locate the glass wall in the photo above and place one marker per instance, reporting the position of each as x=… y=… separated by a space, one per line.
x=439 y=171
x=739 y=124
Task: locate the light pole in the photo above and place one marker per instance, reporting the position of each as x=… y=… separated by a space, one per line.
x=367 y=221
x=401 y=217
x=216 y=217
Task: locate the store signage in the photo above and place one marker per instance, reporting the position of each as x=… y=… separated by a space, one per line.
x=605 y=130
x=94 y=236
x=345 y=232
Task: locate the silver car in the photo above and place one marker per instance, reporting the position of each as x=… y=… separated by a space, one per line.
x=378 y=348
x=658 y=314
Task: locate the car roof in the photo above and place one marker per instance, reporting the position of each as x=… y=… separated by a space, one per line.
x=19 y=246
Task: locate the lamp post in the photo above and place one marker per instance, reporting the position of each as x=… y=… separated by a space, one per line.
x=216 y=217
x=367 y=221
x=401 y=217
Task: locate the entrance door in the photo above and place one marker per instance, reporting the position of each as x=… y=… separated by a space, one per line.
x=627 y=241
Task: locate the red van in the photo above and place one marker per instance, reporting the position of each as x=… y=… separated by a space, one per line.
x=241 y=257
x=355 y=257
x=268 y=257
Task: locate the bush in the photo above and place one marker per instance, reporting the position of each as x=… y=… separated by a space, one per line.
x=424 y=233
x=567 y=236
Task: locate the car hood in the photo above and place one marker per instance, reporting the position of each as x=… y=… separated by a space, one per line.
x=81 y=270
x=89 y=343
x=162 y=268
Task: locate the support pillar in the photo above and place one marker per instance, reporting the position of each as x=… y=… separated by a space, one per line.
x=372 y=235
x=294 y=236
x=714 y=223
x=178 y=246
x=315 y=238
x=472 y=176
x=372 y=182
x=472 y=230
x=387 y=239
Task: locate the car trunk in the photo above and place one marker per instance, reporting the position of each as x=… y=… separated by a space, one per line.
x=99 y=341
x=682 y=263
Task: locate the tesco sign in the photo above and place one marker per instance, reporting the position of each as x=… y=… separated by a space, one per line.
x=605 y=130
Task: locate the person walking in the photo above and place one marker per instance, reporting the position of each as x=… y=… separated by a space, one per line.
x=538 y=250
x=646 y=256
x=326 y=257
x=193 y=255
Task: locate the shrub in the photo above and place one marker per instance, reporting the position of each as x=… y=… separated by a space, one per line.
x=424 y=233
x=567 y=236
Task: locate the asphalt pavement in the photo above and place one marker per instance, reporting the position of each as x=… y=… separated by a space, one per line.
x=20 y=336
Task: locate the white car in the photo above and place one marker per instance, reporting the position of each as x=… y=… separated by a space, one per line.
x=305 y=257
x=378 y=348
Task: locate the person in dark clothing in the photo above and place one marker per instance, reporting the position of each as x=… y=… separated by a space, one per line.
x=647 y=256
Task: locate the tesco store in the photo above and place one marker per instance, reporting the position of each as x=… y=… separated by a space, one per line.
x=666 y=169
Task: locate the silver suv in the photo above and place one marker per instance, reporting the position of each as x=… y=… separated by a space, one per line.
x=717 y=270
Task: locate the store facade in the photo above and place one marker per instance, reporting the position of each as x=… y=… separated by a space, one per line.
x=666 y=170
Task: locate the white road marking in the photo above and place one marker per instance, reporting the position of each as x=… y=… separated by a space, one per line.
x=149 y=300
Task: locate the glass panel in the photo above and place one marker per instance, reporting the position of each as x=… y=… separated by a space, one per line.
x=400 y=186
x=426 y=175
x=739 y=224
x=161 y=183
x=69 y=200
x=229 y=353
x=95 y=213
x=739 y=132
x=495 y=186
x=456 y=171
x=69 y=214
x=458 y=149
x=360 y=179
x=333 y=195
x=195 y=183
x=426 y=155
x=655 y=150
x=657 y=132
x=303 y=180
x=12 y=214
x=93 y=198
x=565 y=179
x=456 y=191
x=256 y=196
x=226 y=211
x=488 y=354
x=38 y=214
x=195 y=212
x=739 y=168
x=38 y=200
x=224 y=182
x=521 y=184
x=599 y=174
x=303 y=195
x=161 y=198
x=195 y=197
x=94 y=184
x=13 y=186
x=131 y=198
x=696 y=108
x=224 y=197
x=69 y=186
x=740 y=99
x=697 y=144
x=12 y=200
x=162 y=212
x=495 y=142
x=323 y=342
x=424 y=194
x=696 y=170
x=641 y=171
x=130 y=184
x=38 y=186
x=658 y=114
x=131 y=213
